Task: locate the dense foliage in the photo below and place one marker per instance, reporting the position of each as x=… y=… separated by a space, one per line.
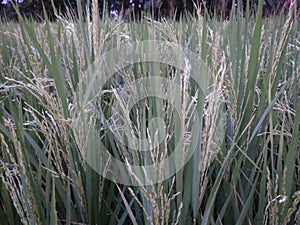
x=251 y=176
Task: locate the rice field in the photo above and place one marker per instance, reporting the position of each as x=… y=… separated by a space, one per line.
x=195 y=121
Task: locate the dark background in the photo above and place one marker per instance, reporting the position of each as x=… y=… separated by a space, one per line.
x=33 y=9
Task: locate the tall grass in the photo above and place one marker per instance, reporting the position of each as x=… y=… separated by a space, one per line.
x=250 y=177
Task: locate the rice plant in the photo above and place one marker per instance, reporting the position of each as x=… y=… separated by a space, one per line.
x=248 y=176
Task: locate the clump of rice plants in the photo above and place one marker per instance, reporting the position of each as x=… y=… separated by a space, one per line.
x=248 y=175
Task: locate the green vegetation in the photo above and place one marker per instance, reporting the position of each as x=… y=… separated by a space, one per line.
x=250 y=177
